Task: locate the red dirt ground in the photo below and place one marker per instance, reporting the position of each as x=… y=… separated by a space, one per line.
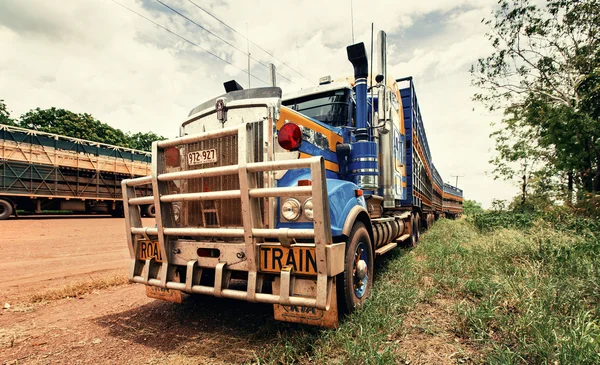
x=115 y=325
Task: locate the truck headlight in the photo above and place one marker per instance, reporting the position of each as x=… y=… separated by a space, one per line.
x=290 y=209
x=307 y=209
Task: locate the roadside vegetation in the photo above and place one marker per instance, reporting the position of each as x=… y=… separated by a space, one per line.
x=77 y=125
x=496 y=288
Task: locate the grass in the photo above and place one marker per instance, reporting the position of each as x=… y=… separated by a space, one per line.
x=526 y=295
x=78 y=289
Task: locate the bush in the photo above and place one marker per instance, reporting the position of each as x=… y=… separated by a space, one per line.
x=560 y=218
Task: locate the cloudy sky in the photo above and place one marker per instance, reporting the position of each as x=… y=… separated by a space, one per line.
x=95 y=56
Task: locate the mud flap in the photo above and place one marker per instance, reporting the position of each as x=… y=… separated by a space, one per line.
x=169 y=295
x=307 y=315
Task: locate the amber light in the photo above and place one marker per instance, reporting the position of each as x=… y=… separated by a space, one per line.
x=290 y=137
x=304 y=182
x=358 y=193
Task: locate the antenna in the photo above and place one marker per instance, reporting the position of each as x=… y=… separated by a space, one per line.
x=371 y=81
x=457 y=176
x=352 y=20
x=248 y=49
x=272 y=74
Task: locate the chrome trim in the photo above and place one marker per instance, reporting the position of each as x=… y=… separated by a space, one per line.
x=364 y=170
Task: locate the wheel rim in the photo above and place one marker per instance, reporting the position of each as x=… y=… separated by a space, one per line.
x=360 y=272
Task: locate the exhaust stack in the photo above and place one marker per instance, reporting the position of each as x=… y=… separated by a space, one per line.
x=357 y=55
x=381 y=78
x=363 y=164
x=381 y=55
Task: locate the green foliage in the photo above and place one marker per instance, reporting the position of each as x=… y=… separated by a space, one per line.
x=513 y=296
x=560 y=219
x=490 y=221
x=5 y=114
x=589 y=205
x=84 y=126
x=535 y=202
x=543 y=72
x=525 y=297
x=472 y=207
x=498 y=205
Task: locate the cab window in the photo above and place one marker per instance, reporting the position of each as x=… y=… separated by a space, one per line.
x=330 y=107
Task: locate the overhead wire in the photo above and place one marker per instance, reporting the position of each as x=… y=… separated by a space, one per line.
x=188 y=41
x=253 y=43
x=216 y=36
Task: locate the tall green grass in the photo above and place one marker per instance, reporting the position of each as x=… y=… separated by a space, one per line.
x=526 y=295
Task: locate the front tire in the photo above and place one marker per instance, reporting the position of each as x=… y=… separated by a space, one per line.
x=354 y=284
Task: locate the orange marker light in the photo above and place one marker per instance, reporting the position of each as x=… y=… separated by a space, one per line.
x=304 y=182
x=358 y=193
x=172 y=157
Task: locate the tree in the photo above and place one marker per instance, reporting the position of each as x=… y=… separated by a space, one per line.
x=143 y=141
x=5 y=114
x=84 y=126
x=544 y=72
x=472 y=207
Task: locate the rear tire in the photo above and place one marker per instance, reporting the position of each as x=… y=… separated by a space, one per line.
x=6 y=209
x=354 y=284
x=418 y=226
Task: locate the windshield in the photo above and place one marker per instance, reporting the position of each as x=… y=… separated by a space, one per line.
x=330 y=107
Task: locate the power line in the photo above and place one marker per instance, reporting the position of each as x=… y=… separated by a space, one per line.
x=240 y=34
x=215 y=35
x=186 y=40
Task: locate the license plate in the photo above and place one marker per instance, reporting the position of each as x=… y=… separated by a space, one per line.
x=148 y=250
x=302 y=259
x=169 y=295
x=201 y=157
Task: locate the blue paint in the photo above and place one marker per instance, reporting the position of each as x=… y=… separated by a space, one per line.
x=310 y=149
x=341 y=196
x=363 y=163
x=361 y=105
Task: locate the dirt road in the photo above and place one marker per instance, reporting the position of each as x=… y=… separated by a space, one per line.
x=42 y=253
x=120 y=325
x=115 y=325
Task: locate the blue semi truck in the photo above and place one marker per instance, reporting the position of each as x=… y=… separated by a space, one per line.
x=292 y=196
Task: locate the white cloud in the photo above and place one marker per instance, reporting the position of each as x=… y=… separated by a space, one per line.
x=94 y=56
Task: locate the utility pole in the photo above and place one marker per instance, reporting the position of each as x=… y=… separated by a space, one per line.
x=457 y=176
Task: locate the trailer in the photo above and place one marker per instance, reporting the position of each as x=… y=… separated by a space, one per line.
x=294 y=196
x=44 y=171
x=453 y=200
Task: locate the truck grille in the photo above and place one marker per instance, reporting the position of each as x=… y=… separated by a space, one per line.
x=218 y=213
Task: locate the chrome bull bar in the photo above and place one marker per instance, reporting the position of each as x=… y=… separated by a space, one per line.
x=154 y=273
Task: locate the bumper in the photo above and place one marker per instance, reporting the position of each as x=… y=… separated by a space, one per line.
x=237 y=248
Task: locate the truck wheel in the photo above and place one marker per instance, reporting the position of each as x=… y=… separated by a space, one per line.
x=354 y=284
x=150 y=211
x=418 y=226
x=6 y=209
x=414 y=230
x=118 y=211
